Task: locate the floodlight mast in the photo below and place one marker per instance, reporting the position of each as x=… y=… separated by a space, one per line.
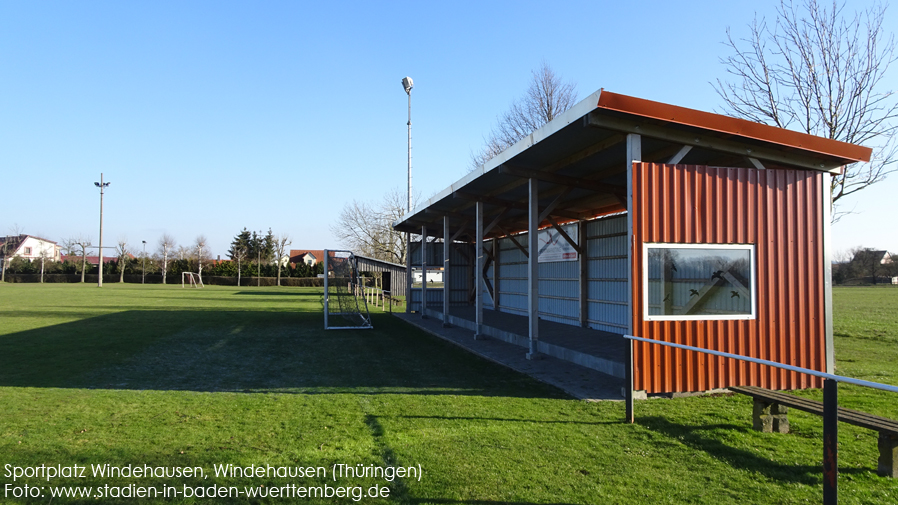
x=102 y=185
x=408 y=84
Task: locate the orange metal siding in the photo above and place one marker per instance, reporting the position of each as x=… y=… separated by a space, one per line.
x=779 y=211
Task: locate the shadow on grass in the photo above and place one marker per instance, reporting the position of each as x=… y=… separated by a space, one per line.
x=250 y=351
x=400 y=491
x=502 y=419
x=700 y=437
x=311 y=294
x=482 y=502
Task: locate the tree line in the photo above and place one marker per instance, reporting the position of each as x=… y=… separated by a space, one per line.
x=252 y=254
x=864 y=265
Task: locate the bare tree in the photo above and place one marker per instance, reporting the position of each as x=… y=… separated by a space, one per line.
x=166 y=245
x=122 y=252
x=238 y=253
x=10 y=244
x=546 y=98
x=281 y=243
x=201 y=252
x=78 y=246
x=183 y=252
x=368 y=230
x=44 y=256
x=821 y=71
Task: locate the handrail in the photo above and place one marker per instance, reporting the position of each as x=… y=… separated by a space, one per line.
x=824 y=375
x=830 y=406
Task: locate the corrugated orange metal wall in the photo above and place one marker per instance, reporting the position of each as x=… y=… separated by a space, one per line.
x=777 y=210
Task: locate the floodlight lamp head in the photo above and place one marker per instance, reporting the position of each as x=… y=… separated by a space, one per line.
x=408 y=84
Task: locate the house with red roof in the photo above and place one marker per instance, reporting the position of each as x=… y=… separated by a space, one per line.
x=310 y=257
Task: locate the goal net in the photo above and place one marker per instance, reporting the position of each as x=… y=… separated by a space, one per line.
x=191 y=279
x=345 y=306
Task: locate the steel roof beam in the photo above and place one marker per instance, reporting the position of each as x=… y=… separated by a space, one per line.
x=563 y=180
x=567 y=237
x=679 y=156
x=507 y=203
x=650 y=130
x=548 y=210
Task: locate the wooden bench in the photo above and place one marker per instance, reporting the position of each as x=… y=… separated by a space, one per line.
x=770 y=416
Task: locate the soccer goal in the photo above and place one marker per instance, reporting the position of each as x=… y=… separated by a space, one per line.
x=191 y=279
x=345 y=306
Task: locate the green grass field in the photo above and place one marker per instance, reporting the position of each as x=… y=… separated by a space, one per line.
x=171 y=377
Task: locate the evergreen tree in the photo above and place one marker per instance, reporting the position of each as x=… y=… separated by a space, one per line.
x=242 y=243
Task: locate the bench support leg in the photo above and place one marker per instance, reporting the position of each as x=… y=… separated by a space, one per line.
x=888 y=455
x=770 y=417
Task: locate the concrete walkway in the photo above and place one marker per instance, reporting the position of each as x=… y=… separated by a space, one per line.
x=578 y=381
x=600 y=350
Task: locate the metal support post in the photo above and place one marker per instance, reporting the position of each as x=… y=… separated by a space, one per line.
x=496 y=274
x=583 y=263
x=478 y=272
x=830 y=442
x=634 y=154
x=533 y=268
x=630 y=414
x=424 y=272
x=325 y=288
x=408 y=273
x=446 y=241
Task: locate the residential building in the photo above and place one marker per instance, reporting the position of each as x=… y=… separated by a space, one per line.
x=310 y=257
x=29 y=247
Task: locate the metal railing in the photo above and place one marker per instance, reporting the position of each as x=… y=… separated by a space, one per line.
x=830 y=405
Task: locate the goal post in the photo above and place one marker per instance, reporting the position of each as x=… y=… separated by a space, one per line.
x=345 y=306
x=191 y=279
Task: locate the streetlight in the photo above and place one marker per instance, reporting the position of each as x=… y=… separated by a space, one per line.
x=259 y=264
x=102 y=185
x=143 y=278
x=408 y=85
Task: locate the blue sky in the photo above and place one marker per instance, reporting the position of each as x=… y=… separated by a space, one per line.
x=208 y=117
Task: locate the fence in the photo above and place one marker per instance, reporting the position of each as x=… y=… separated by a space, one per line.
x=171 y=279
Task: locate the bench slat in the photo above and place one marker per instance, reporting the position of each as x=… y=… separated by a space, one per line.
x=855 y=417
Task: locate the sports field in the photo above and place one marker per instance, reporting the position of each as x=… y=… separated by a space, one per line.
x=160 y=377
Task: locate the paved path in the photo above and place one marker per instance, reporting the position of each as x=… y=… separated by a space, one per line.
x=577 y=381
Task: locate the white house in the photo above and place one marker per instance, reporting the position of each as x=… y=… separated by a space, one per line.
x=310 y=257
x=29 y=247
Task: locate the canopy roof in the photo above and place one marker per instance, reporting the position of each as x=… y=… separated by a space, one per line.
x=579 y=160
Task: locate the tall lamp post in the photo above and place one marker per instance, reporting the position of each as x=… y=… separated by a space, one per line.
x=143 y=277
x=102 y=185
x=408 y=84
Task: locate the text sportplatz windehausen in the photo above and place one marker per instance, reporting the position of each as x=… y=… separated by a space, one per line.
x=279 y=481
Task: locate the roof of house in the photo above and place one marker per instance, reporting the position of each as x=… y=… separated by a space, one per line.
x=579 y=159
x=18 y=239
x=868 y=254
x=93 y=260
x=296 y=253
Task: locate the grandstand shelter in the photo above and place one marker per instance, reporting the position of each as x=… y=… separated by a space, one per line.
x=391 y=275
x=627 y=216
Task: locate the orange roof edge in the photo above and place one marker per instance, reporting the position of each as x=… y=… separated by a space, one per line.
x=733 y=126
